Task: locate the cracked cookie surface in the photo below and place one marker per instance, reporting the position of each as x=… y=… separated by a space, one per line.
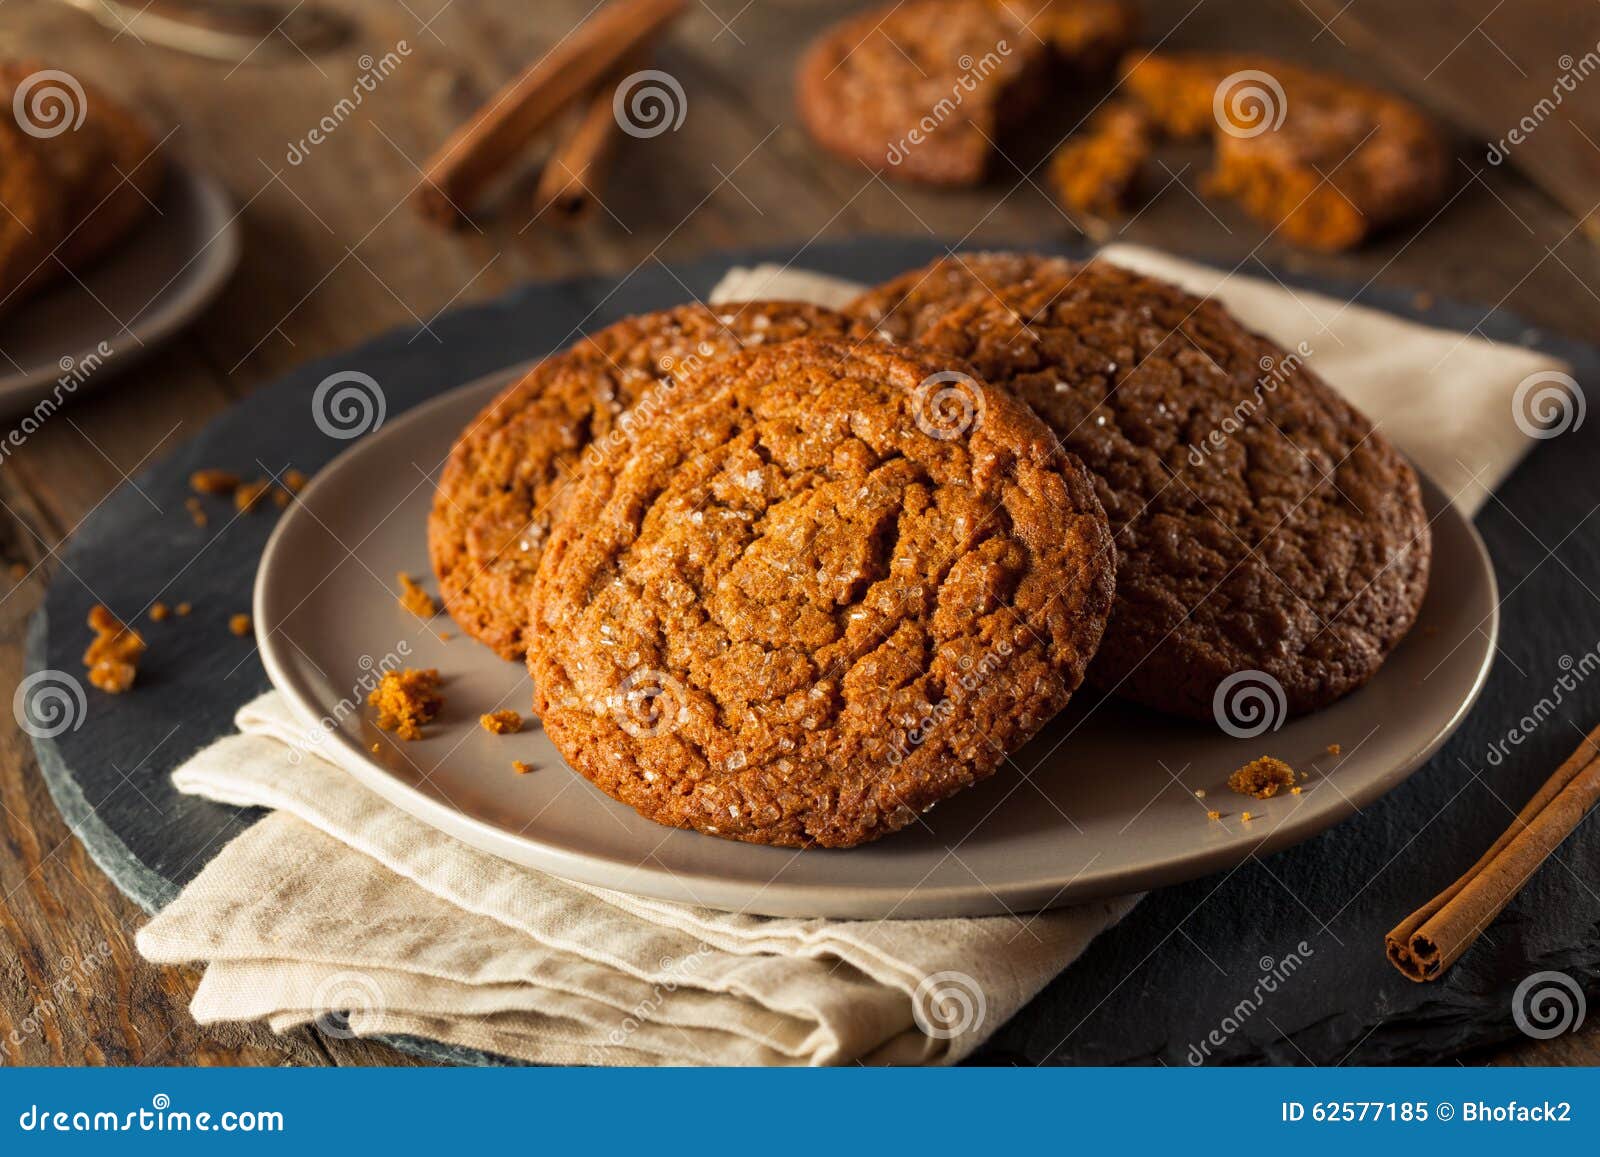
x=1262 y=522
x=905 y=307
x=838 y=587
x=510 y=469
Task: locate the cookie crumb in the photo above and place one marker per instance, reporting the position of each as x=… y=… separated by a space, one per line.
x=1246 y=816
x=182 y=610
x=505 y=722
x=377 y=747
x=407 y=699
x=159 y=612
x=293 y=480
x=19 y=571
x=1334 y=749
x=281 y=497
x=522 y=768
x=239 y=624
x=113 y=655
x=1213 y=814
x=1262 y=777
x=249 y=494
x=414 y=599
x=1296 y=790
x=196 y=511
x=1199 y=793
x=213 y=482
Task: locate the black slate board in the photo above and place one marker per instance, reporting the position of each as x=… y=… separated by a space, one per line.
x=1150 y=991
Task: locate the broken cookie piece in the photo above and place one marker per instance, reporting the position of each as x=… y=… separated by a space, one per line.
x=113 y=655
x=414 y=599
x=1323 y=160
x=1097 y=170
x=505 y=722
x=406 y=700
x=1262 y=778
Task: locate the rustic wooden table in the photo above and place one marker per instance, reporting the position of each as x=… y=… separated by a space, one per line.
x=333 y=254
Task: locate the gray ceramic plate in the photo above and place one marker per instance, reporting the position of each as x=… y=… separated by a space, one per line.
x=1103 y=802
x=141 y=293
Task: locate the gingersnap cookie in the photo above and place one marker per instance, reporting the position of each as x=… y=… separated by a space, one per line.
x=101 y=168
x=1087 y=36
x=903 y=308
x=1325 y=161
x=1262 y=524
x=512 y=466
x=926 y=90
x=838 y=587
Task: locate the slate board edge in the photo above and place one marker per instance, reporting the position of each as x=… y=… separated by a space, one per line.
x=152 y=892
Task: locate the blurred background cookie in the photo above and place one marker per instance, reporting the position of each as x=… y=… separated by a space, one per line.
x=90 y=156
x=927 y=90
x=1321 y=158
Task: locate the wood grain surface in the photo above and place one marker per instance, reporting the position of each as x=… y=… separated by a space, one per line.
x=1517 y=76
x=334 y=253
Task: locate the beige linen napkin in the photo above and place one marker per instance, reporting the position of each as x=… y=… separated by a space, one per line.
x=338 y=903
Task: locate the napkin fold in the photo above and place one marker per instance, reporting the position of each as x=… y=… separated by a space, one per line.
x=339 y=908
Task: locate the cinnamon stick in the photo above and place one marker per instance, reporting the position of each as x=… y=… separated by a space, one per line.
x=1431 y=939
x=480 y=150
x=570 y=183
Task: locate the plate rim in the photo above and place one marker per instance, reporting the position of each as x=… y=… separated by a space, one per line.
x=812 y=900
x=165 y=315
